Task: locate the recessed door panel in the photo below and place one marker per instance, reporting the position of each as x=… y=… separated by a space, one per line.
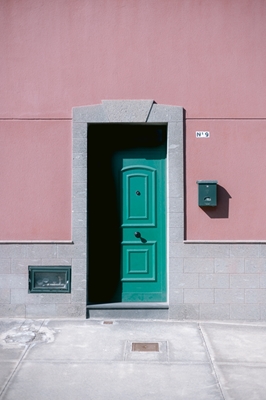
x=139 y=262
x=138 y=196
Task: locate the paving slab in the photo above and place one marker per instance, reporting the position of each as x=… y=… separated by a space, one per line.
x=113 y=381
x=95 y=340
x=238 y=354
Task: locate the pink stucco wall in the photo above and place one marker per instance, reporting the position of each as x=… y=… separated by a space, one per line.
x=35 y=180
x=206 y=56
x=234 y=155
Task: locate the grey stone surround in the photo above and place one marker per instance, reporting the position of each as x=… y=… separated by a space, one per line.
x=217 y=281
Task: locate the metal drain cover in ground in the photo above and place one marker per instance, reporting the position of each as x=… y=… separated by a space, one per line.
x=145 y=347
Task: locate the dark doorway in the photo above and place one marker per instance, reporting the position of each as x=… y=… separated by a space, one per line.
x=105 y=141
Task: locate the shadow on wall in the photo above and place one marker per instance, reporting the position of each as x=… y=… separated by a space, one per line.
x=222 y=208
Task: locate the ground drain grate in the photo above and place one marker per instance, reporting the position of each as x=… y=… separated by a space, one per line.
x=145 y=347
x=107 y=322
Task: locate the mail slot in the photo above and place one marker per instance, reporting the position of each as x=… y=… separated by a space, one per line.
x=55 y=279
x=207 y=193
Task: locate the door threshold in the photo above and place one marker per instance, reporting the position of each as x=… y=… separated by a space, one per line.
x=129 y=305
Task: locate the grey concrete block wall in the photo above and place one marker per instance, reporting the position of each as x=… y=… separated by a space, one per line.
x=217 y=281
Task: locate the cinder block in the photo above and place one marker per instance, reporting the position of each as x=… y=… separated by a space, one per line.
x=229 y=265
x=197 y=296
x=176 y=220
x=56 y=261
x=79 y=282
x=5 y=296
x=175 y=161
x=164 y=113
x=80 y=160
x=12 y=311
x=13 y=251
x=127 y=110
x=71 y=310
x=184 y=311
x=175 y=189
x=79 y=296
x=175 y=267
x=255 y=265
x=175 y=176
x=79 y=145
x=176 y=205
x=213 y=280
x=79 y=205
x=35 y=251
x=215 y=311
x=79 y=174
x=94 y=113
x=79 y=266
x=245 y=312
x=244 y=250
x=175 y=136
x=80 y=129
x=213 y=250
x=79 y=190
x=190 y=250
x=10 y=281
x=200 y=265
x=5 y=266
x=176 y=235
x=21 y=296
x=262 y=250
x=176 y=296
x=79 y=235
x=79 y=219
x=72 y=251
x=263 y=312
x=244 y=281
x=55 y=298
x=176 y=250
x=255 y=296
x=20 y=266
x=41 y=311
x=263 y=281
x=188 y=281
x=229 y=296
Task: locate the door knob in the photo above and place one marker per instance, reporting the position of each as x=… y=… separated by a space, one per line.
x=137 y=234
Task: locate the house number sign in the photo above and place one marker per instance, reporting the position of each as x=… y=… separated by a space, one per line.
x=202 y=134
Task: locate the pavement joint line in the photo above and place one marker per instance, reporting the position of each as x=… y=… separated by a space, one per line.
x=21 y=359
x=211 y=361
x=126 y=362
x=14 y=371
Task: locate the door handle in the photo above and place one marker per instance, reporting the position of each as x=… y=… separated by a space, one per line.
x=137 y=234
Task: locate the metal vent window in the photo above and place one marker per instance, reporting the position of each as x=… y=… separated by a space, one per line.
x=49 y=279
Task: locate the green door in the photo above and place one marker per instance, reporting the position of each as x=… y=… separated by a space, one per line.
x=141 y=197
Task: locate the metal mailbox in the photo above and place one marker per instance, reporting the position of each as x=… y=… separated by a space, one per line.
x=50 y=279
x=207 y=193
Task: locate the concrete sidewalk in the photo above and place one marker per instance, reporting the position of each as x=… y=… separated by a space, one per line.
x=94 y=359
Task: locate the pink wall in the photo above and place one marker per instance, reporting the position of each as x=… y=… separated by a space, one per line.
x=35 y=181
x=208 y=56
x=235 y=156
x=205 y=55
